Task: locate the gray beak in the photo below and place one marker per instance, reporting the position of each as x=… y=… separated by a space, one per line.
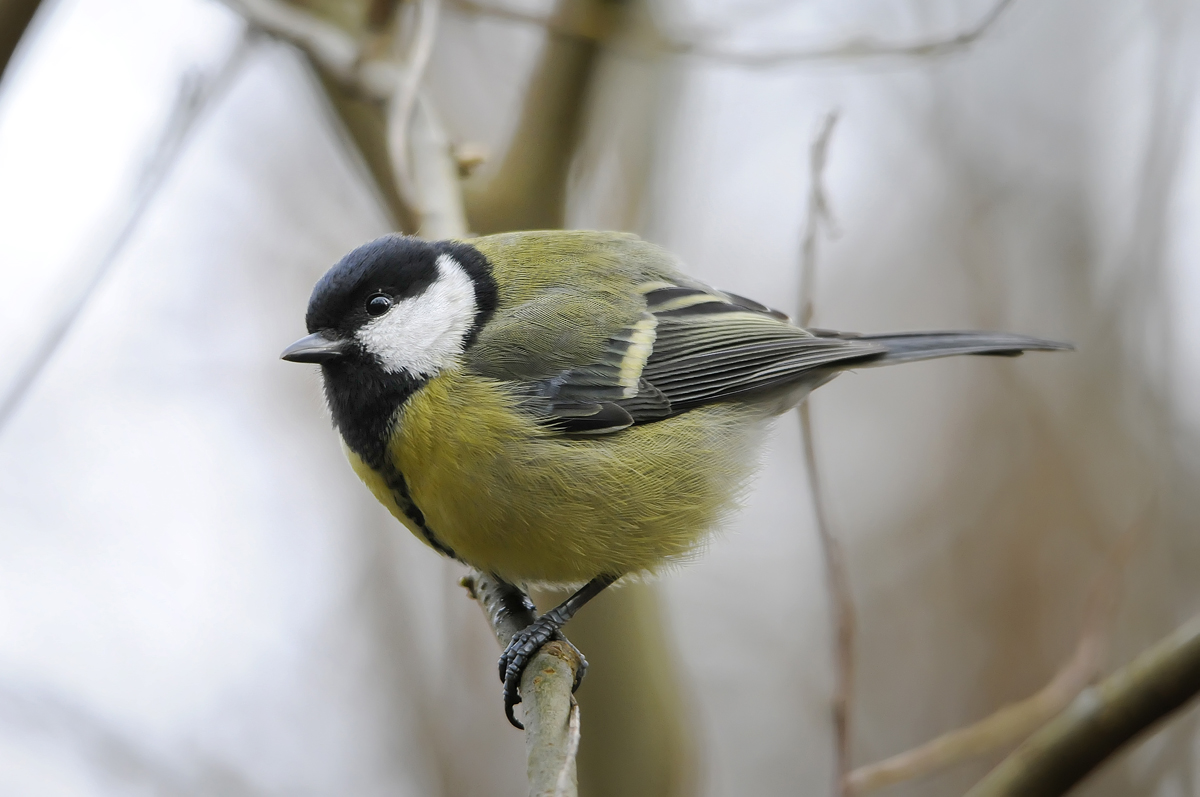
x=316 y=348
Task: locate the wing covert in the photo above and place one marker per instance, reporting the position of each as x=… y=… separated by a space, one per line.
x=588 y=365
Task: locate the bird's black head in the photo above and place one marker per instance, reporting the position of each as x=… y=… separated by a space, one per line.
x=387 y=318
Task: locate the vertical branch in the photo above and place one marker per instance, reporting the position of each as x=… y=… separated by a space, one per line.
x=403 y=102
x=841 y=600
x=438 y=198
x=817 y=214
x=551 y=715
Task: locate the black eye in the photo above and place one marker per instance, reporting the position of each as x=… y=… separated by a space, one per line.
x=379 y=304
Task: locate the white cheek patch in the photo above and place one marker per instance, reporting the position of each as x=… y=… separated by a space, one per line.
x=425 y=334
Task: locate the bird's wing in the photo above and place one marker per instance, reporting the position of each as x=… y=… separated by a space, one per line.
x=712 y=346
x=594 y=365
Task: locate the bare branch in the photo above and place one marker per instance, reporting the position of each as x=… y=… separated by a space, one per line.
x=590 y=21
x=15 y=16
x=853 y=49
x=1014 y=722
x=1101 y=720
x=817 y=214
x=601 y=27
x=424 y=170
x=404 y=98
x=196 y=96
x=551 y=714
x=337 y=51
x=327 y=45
x=437 y=188
x=841 y=601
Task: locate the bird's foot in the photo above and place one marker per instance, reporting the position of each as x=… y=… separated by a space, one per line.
x=520 y=651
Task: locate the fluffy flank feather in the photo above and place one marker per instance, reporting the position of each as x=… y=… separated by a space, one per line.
x=503 y=491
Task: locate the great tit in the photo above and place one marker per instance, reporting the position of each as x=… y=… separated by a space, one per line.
x=565 y=407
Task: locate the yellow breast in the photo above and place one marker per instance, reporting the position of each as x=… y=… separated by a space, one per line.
x=512 y=498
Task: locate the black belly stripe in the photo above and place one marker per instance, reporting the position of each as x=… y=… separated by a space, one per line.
x=399 y=486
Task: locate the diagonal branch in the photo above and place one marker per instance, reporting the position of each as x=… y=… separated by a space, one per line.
x=327 y=45
x=196 y=96
x=598 y=28
x=1014 y=722
x=424 y=170
x=15 y=16
x=1102 y=720
x=852 y=49
x=589 y=21
x=841 y=600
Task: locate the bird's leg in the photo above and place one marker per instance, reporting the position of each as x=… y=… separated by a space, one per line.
x=529 y=640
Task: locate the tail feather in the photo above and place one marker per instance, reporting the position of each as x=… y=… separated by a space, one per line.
x=911 y=346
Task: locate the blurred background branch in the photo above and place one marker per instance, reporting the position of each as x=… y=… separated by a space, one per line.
x=15 y=16
x=601 y=23
x=1101 y=720
x=196 y=95
x=1016 y=721
x=851 y=50
x=837 y=576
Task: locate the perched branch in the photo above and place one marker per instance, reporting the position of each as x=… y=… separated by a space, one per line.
x=196 y=95
x=1014 y=722
x=551 y=714
x=841 y=600
x=1102 y=720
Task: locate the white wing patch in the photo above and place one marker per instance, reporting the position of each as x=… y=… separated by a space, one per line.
x=424 y=334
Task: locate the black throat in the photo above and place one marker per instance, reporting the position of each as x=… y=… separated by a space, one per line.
x=364 y=402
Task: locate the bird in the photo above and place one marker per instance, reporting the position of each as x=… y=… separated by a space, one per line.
x=566 y=408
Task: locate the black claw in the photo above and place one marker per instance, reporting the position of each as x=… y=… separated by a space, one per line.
x=521 y=648
x=528 y=641
x=583 y=665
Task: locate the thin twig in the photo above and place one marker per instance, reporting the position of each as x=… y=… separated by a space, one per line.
x=424 y=169
x=841 y=600
x=404 y=98
x=1016 y=721
x=551 y=714
x=1101 y=720
x=817 y=214
x=852 y=49
x=196 y=96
